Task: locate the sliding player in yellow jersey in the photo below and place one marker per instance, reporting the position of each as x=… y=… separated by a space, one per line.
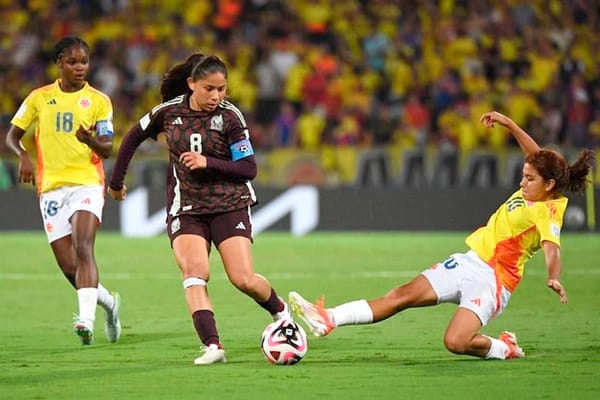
x=481 y=280
x=73 y=134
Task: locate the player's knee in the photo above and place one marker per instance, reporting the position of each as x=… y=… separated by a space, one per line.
x=455 y=344
x=193 y=267
x=84 y=248
x=243 y=282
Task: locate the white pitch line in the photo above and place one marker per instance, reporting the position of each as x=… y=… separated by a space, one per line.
x=124 y=276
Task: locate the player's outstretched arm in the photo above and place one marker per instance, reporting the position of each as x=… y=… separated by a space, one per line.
x=528 y=145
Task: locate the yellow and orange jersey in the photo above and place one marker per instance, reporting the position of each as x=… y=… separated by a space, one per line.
x=515 y=232
x=62 y=160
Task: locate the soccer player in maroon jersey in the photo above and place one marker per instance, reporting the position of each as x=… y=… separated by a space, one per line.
x=209 y=195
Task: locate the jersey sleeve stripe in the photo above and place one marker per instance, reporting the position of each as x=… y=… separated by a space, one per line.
x=228 y=106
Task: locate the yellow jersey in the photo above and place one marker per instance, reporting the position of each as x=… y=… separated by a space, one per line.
x=62 y=160
x=515 y=232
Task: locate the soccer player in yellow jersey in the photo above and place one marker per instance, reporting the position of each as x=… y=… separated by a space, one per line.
x=73 y=134
x=481 y=280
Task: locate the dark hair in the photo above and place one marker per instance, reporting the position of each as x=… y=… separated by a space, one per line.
x=174 y=82
x=551 y=164
x=65 y=43
x=208 y=65
x=197 y=66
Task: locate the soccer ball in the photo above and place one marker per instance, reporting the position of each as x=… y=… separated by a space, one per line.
x=284 y=342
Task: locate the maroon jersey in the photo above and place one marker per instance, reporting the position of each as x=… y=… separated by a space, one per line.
x=222 y=136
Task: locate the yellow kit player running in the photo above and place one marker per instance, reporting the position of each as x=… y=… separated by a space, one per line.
x=481 y=280
x=73 y=133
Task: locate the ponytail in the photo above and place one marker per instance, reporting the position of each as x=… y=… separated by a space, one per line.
x=579 y=171
x=174 y=82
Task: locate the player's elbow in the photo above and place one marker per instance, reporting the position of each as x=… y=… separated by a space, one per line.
x=104 y=154
x=252 y=171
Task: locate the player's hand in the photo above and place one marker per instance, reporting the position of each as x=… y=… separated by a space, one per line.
x=84 y=135
x=490 y=118
x=118 y=194
x=26 y=171
x=193 y=160
x=555 y=285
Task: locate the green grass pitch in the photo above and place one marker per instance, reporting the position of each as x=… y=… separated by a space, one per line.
x=401 y=358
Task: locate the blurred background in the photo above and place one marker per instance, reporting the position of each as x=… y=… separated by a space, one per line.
x=338 y=94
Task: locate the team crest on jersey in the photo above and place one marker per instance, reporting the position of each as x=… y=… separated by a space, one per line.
x=85 y=102
x=216 y=123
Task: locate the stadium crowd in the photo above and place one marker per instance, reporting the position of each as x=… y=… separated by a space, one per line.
x=325 y=75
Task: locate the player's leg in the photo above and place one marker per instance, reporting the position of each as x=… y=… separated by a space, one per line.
x=65 y=257
x=321 y=321
x=462 y=337
x=232 y=235
x=84 y=205
x=110 y=302
x=56 y=210
x=416 y=293
x=237 y=260
x=482 y=298
x=189 y=239
x=86 y=275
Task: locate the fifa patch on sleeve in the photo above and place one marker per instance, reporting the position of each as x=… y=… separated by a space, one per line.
x=555 y=229
x=145 y=121
x=104 y=128
x=241 y=149
x=21 y=111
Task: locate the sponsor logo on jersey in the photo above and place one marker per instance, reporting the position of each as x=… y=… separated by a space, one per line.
x=240 y=226
x=51 y=101
x=177 y=121
x=514 y=203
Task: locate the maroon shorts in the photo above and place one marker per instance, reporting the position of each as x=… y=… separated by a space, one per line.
x=213 y=227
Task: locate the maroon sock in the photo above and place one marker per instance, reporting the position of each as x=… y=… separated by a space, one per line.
x=273 y=303
x=206 y=326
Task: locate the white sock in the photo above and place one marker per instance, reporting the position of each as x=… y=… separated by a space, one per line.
x=88 y=297
x=105 y=299
x=352 y=313
x=498 y=349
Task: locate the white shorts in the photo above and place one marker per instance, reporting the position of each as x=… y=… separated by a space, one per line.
x=58 y=206
x=466 y=280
